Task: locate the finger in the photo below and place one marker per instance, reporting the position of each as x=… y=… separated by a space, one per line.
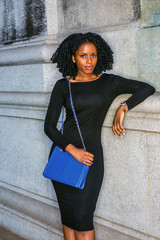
x=123 y=131
x=89 y=155
x=122 y=128
x=115 y=133
x=118 y=131
x=113 y=129
x=119 y=128
x=90 y=159
x=88 y=162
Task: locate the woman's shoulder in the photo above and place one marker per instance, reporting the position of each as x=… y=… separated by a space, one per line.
x=61 y=81
x=110 y=75
x=60 y=85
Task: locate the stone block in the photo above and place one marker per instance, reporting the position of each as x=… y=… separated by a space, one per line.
x=23 y=151
x=153 y=150
x=51 y=16
x=104 y=233
x=88 y=14
x=136 y=54
x=148 y=55
x=28 y=78
x=21 y=19
x=124 y=45
x=27 y=53
x=124 y=195
x=150 y=13
x=27 y=227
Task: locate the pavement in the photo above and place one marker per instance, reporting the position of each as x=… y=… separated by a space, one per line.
x=5 y=234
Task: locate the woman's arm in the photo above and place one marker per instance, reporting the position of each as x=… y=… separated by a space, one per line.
x=52 y=116
x=140 y=91
x=50 y=128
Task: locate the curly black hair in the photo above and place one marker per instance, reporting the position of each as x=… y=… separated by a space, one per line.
x=63 y=54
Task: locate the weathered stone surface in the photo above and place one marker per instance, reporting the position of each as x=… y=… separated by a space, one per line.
x=33 y=77
x=124 y=46
x=28 y=227
x=51 y=16
x=46 y=226
x=150 y=13
x=153 y=151
x=26 y=53
x=148 y=55
x=6 y=234
x=21 y=19
x=94 y=14
x=103 y=232
x=23 y=149
x=122 y=199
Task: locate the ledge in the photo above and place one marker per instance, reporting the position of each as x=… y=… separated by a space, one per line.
x=37 y=210
x=41 y=99
x=33 y=51
x=143 y=117
x=47 y=215
x=25 y=98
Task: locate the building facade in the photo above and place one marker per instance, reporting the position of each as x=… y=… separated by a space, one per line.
x=30 y=31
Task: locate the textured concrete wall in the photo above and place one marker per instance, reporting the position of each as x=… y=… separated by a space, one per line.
x=128 y=205
x=79 y=15
x=150 y=13
x=20 y=19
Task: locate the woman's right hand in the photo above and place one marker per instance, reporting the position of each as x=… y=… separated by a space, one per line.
x=80 y=154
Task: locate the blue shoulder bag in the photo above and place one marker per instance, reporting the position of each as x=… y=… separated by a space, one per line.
x=62 y=166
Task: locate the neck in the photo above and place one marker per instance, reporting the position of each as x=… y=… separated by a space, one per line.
x=85 y=77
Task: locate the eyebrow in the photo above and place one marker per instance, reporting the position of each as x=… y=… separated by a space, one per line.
x=86 y=53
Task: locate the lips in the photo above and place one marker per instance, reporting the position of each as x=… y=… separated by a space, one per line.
x=89 y=67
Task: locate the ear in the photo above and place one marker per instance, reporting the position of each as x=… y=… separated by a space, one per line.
x=73 y=59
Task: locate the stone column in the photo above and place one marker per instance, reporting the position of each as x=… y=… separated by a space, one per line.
x=28 y=38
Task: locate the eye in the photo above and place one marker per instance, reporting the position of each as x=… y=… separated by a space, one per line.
x=94 y=55
x=83 y=56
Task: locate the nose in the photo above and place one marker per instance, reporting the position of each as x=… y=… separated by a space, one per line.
x=88 y=60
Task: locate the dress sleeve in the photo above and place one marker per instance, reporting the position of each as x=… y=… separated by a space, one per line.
x=139 y=89
x=52 y=116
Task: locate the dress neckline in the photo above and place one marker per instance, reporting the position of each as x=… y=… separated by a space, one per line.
x=88 y=81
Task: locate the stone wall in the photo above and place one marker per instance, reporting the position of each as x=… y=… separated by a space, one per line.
x=128 y=205
x=21 y=20
x=79 y=15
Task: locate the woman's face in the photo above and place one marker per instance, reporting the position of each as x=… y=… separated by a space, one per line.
x=85 y=58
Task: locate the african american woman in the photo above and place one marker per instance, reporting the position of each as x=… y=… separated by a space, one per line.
x=85 y=58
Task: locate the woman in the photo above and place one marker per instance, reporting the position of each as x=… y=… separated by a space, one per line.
x=84 y=57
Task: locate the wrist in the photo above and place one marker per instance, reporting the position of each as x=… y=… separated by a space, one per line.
x=70 y=148
x=124 y=106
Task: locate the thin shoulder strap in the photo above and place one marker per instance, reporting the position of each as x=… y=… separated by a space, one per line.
x=74 y=113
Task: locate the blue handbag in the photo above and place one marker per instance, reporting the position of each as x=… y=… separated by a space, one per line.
x=62 y=166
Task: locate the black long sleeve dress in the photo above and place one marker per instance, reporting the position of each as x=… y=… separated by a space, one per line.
x=91 y=101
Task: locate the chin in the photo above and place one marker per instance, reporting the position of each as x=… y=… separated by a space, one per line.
x=88 y=71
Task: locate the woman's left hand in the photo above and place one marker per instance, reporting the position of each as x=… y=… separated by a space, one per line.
x=117 y=122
